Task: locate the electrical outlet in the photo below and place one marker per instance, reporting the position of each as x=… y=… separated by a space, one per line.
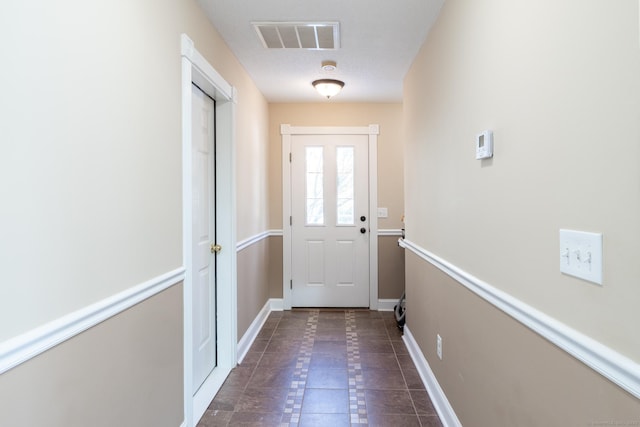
x=439 y=347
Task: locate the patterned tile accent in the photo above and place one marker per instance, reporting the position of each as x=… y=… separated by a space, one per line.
x=293 y=405
x=357 y=406
x=313 y=367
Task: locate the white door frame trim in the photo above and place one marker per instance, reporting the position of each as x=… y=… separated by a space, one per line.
x=372 y=132
x=196 y=69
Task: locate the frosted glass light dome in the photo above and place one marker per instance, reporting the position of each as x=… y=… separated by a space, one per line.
x=328 y=87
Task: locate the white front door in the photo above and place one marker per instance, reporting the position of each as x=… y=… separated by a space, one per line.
x=203 y=205
x=330 y=221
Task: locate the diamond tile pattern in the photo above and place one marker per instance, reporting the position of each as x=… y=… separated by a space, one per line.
x=324 y=367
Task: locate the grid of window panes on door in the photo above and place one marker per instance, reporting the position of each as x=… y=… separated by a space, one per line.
x=314 y=176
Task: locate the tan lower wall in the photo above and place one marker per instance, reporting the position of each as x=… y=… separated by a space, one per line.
x=390 y=268
x=126 y=371
x=253 y=282
x=495 y=371
x=275 y=267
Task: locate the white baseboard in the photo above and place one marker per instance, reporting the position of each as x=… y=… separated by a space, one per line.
x=277 y=304
x=618 y=368
x=19 y=349
x=387 y=304
x=440 y=402
x=274 y=304
x=206 y=392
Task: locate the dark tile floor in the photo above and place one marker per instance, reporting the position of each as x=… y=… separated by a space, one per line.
x=324 y=368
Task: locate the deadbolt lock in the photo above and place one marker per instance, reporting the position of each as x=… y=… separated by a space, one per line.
x=215 y=249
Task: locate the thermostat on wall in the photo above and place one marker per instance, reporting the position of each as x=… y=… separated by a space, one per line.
x=484 y=145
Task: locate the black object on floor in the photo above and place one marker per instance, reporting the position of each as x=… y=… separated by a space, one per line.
x=400 y=310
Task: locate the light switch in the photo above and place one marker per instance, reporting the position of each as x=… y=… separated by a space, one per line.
x=383 y=213
x=581 y=255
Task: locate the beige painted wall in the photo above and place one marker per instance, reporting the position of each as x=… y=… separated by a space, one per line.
x=390 y=172
x=390 y=162
x=253 y=174
x=495 y=371
x=390 y=268
x=91 y=186
x=126 y=371
x=558 y=84
x=253 y=283
x=275 y=267
x=90 y=165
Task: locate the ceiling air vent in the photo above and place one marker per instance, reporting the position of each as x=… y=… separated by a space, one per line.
x=299 y=35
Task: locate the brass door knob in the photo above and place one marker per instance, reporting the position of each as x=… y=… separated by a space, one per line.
x=215 y=249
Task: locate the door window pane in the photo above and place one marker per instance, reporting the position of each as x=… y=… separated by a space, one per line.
x=314 y=186
x=344 y=199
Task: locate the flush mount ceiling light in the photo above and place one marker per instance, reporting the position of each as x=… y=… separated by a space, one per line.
x=328 y=87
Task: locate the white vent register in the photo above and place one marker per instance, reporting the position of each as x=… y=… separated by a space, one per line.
x=299 y=35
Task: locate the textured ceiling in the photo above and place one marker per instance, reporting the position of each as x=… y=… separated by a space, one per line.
x=378 y=41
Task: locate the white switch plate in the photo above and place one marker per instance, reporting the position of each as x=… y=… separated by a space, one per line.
x=581 y=255
x=439 y=347
x=383 y=213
